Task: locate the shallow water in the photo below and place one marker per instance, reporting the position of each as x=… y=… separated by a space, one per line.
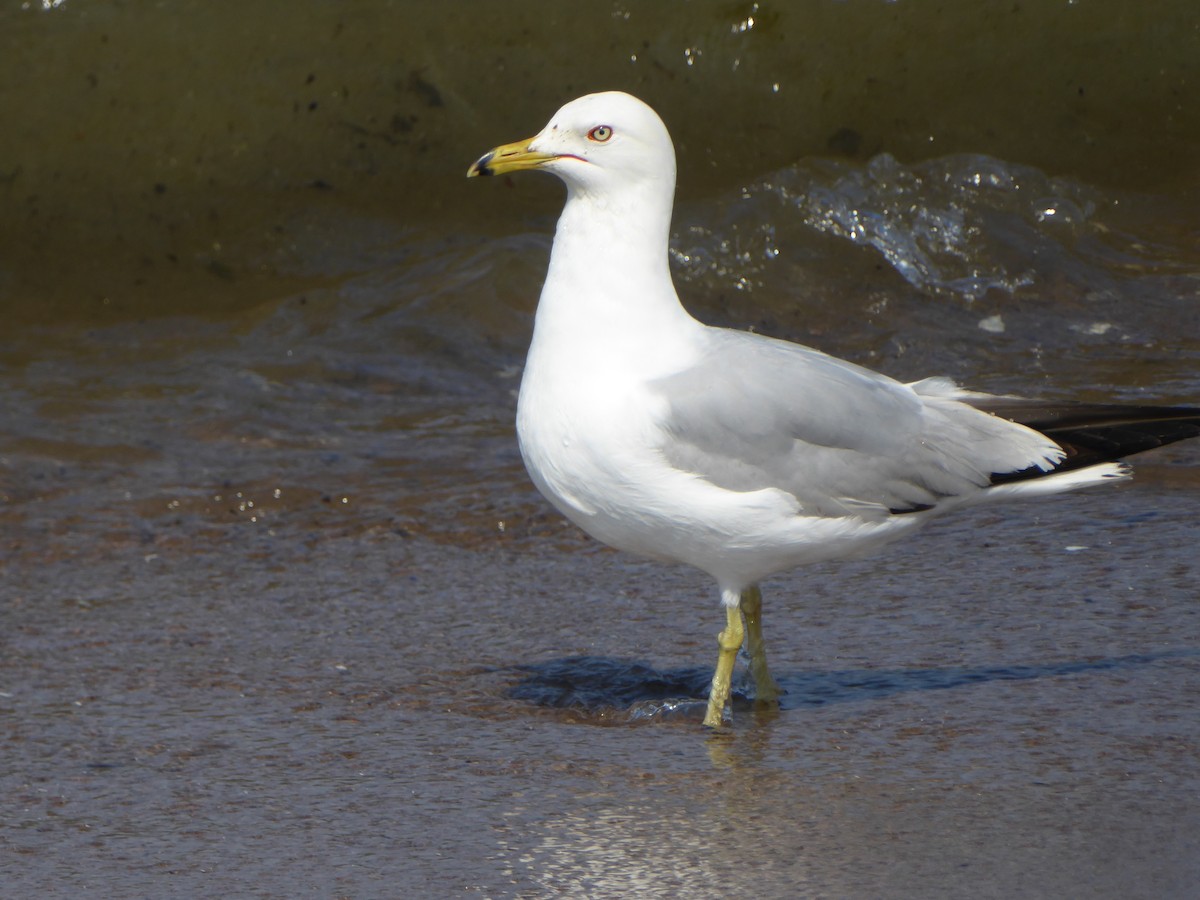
x=280 y=613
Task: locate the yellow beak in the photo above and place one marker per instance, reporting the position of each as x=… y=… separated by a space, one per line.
x=514 y=157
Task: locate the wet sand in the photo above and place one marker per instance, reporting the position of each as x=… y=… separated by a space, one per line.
x=985 y=712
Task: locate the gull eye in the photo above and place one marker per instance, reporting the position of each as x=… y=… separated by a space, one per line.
x=600 y=134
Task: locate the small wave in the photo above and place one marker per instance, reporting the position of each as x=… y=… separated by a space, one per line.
x=960 y=225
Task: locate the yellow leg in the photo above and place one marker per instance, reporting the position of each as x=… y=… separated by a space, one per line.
x=765 y=688
x=730 y=641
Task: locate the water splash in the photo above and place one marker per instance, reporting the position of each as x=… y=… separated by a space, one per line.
x=960 y=225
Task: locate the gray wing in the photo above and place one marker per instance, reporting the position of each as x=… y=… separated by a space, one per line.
x=756 y=413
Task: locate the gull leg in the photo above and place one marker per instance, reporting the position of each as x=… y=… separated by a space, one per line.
x=765 y=688
x=730 y=641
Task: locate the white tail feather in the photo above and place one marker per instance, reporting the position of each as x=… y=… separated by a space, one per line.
x=1061 y=482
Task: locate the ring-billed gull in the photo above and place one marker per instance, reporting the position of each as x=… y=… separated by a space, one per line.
x=736 y=453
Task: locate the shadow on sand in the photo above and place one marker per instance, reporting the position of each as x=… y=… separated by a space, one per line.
x=600 y=686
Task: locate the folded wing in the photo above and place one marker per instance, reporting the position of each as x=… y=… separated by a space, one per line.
x=757 y=413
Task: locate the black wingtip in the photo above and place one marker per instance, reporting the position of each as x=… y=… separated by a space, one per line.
x=1093 y=434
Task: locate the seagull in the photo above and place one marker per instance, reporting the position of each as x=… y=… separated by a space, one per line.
x=739 y=454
